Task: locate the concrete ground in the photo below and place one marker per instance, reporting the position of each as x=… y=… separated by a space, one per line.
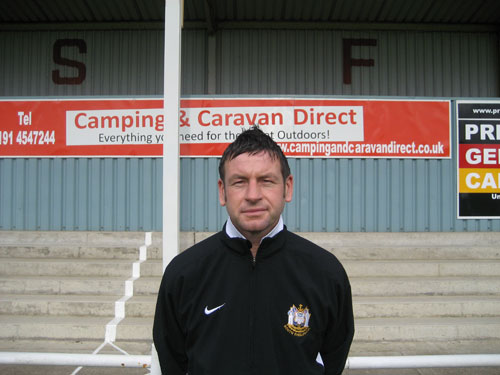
x=65 y=370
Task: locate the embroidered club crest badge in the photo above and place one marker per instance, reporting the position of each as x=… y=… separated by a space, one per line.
x=298 y=320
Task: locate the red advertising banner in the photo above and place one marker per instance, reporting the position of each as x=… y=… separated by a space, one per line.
x=302 y=127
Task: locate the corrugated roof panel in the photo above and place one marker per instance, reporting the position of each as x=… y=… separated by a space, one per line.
x=25 y=12
x=487 y=12
x=418 y=11
x=192 y=11
x=370 y=11
x=103 y=10
x=450 y=11
x=425 y=11
x=391 y=11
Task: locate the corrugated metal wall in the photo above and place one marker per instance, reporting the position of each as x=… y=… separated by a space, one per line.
x=119 y=62
x=80 y=194
x=407 y=63
x=330 y=194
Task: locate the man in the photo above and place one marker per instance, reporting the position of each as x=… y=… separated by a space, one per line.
x=254 y=298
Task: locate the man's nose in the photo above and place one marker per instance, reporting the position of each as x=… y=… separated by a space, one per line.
x=253 y=191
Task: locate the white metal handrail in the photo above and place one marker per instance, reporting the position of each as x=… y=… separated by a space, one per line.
x=72 y=359
x=424 y=361
x=144 y=361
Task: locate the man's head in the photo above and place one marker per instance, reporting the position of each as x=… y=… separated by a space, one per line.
x=254 y=141
x=255 y=183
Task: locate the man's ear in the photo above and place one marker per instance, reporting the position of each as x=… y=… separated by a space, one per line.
x=222 y=192
x=289 y=188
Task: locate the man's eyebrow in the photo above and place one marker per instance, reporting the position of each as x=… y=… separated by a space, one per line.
x=269 y=175
x=236 y=177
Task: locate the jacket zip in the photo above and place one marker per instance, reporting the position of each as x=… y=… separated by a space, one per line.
x=252 y=314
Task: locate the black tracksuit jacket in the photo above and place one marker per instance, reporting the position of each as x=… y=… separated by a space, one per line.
x=221 y=312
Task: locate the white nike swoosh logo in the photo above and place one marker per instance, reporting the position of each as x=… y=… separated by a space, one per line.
x=208 y=312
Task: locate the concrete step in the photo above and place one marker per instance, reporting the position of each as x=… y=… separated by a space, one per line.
x=83 y=346
x=424 y=268
x=391 y=239
x=367 y=252
x=427 y=307
x=139 y=330
x=399 y=268
x=147 y=286
x=72 y=252
x=123 y=267
x=141 y=306
x=66 y=267
x=393 y=242
x=372 y=329
x=152 y=268
x=430 y=286
x=62 y=285
x=411 y=252
x=370 y=307
x=53 y=327
x=73 y=328
x=427 y=347
x=421 y=329
x=387 y=285
x=58 y=305
x=81 y=238
x=144 y=306
x=404 y=252
x=135 y=329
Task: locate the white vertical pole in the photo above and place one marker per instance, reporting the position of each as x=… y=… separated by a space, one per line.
x=171 y=105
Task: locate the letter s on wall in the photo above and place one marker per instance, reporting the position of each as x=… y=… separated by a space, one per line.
x=58 y=59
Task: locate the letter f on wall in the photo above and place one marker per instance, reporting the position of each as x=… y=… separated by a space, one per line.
x=349 y=62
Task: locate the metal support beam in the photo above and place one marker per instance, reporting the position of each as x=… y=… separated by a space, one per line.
x=209 y=16
x=171 y=104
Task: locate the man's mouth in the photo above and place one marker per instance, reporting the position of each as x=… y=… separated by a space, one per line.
x=253 y=211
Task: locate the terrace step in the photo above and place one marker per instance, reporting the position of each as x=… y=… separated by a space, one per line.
x=430 y=286
x=58 y=305
x=55 y=327
x=66 y=267
x=63 y=285
x=422 y=329
x=370 y=307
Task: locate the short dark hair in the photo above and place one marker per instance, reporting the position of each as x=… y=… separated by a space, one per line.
x=254 y=141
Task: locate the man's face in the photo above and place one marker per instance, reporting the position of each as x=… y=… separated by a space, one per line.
x=254 y=193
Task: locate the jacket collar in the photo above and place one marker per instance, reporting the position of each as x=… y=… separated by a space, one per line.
x=268 y=245
x=232 y=232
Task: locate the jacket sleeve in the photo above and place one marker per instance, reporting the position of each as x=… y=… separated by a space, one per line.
x=168 y=335
x=340 y=332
